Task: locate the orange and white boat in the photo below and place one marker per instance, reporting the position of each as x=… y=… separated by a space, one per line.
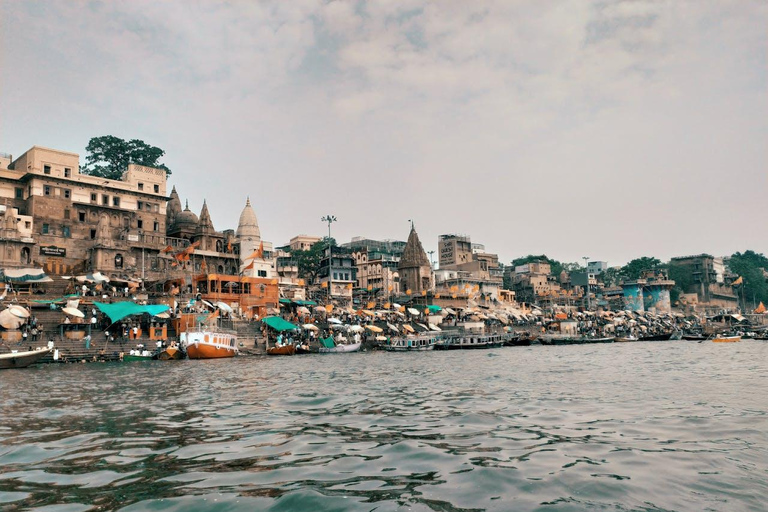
x=206 y=344
x=726 y=339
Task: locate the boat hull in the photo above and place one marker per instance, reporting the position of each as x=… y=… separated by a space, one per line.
x=726 y=339
x=128 y=358
x=203 y=351
x=209 y=345
x=657 y=337
x=409 y=349
x=340 y=349
x=170 y=354
x=285 y=350
x=22 y=359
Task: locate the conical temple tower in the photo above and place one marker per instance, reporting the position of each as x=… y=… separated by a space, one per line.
x=414 y=268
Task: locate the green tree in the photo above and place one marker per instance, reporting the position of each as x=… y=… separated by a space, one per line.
x=751 y=266
x=109 y=156
x=309 y=261
x=555 y=265
x=635 y=268
x=610 y=276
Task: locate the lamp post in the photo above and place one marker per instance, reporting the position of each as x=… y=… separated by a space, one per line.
x=586 y=276
x=330 y=219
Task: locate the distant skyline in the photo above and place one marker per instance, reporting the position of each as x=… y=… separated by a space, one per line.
x=612 y=130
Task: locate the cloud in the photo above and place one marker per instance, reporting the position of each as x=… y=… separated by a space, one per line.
x=561 y=127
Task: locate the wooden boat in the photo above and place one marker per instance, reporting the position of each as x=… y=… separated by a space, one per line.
x=726 y=339
x=172 y=352
x=657 y=337
x=205 y=344
x=411 y=344
x=137 y=354
x=624 y=339
x=23 y=359
x=340 y=349
x=694 y=337
x=558 y=339
x=283 y=350
x=471 y=342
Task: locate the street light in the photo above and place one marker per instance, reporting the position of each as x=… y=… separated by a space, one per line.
x=586 y=276
x=330 y=219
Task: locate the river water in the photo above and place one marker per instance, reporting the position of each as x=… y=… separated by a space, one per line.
x=631 y=426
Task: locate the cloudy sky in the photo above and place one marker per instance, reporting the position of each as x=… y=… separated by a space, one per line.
x=572 y=128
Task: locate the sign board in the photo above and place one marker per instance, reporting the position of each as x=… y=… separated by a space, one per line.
x=133 y=238
x=52 y=250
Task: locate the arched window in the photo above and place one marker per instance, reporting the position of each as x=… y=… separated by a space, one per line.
x=25 y=255
x=221 y=269
x=219 y=246
x=118 y=261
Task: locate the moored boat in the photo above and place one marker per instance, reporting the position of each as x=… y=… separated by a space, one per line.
x=471 y=342
x=328 y=346
x=137 y=354
x=657 y=337
x=23 y=359
x=171 y=352
x=282 y=350
x=726 y=339
x=205 y=344
x=411 y=344
x=624 y=339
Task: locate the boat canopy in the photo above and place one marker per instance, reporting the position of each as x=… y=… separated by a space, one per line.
x=120 y=310
x=278 y=323
x=328 y=342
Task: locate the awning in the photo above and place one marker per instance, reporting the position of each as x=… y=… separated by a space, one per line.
x=26 y=275
x=278 y=323
x=285 y=301
x=120 y=310
x=304 y=302
x=434 y=309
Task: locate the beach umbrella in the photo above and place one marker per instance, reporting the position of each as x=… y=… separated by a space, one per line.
x=163 y=315
x=408 y=328
x=74 y=312
x=381 y=338
x=224 y=307
x=433 y=327
x=393 y=327
x=414 y=311
x=374 y=328
x=334 y=321
x=367 y=312
x=355 y=328
x=18 y=311
x=320 y=309
x=396 y=306
x=10 y=321
x=310 y=327
x=302 y=310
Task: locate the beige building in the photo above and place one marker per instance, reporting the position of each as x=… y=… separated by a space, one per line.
x=303 y=242
x=80 y=222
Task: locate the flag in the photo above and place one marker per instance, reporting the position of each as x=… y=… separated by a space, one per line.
x=254 y=255
x=391 y=287
x=424 y=293
x=386 y=306
x=760 y=309
x=324 y=285
x=167 y=250
x=408 y=292
x=370 y=287
x=349 y=286
x=248 y=266
x=737 y=282
x=301 y=282
x=437 y=295
x=204 y=265
x=371 y=305
x=261 y=250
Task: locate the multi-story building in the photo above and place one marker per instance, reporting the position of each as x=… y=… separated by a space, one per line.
x=78 y=221
x=453 y=250
x=303 y=242
x=337 y=274
x=704 y=275
x=377 y=262
x=597 y=267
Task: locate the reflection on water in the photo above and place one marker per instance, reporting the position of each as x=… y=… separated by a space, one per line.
x=641 y=426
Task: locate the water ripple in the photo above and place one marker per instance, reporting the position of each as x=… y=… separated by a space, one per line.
x=649 y=426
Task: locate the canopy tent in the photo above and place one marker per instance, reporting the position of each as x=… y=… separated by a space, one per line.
x=434 y=309
x=304 y=302
x=278 y=323
x=26 y=275
x=120 y=310
x=55 y=301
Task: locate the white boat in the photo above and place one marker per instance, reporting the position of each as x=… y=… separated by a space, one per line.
x=411 y=344
x=208 y=344
x=340 y=349
x=23 y=359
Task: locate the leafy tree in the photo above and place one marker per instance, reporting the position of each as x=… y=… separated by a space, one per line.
x=635 y=268
x=751 y=266
x=555 y=265
x=109 y=156
x=610 y=276
x=309 y=261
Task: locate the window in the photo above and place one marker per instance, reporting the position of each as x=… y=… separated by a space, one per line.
x=157 y=189
x=156 y=208
x=148 y=207
x=81 y=216
x=47 y=169
x=45 y=229
x=67 y=172
x=93 y=198
x=25 y=255
x=27 y=225
x=65 y=232
x=93 y=234
x=139 y=223
x=105 y=200
x=118 y=261
x=335 y=275
x=126 y=222
x=46 y=190
x=140 y=205
x=262 y=273
x=19 y=193
x=141 y=186
x=156 y=226
x=115 y=201
x=66 y=214
x=67 y=193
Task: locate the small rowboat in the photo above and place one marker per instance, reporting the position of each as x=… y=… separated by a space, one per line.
x=285 y=350
x=726 y=339
x=23 y=359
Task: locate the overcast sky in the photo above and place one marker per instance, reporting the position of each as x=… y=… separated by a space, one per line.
x=572 y=128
